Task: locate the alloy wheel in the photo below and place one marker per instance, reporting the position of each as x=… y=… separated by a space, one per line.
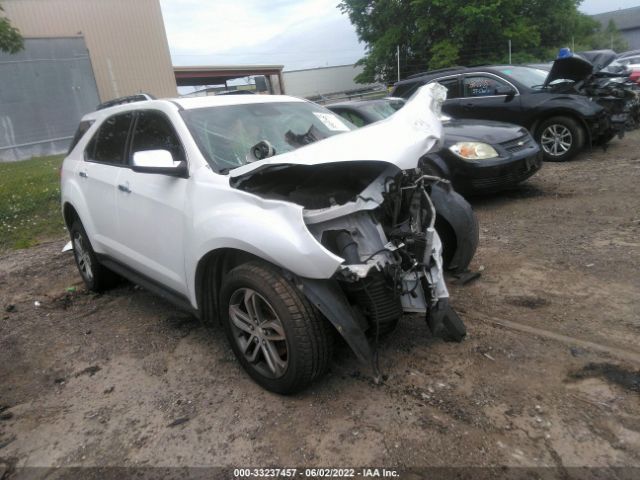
x=556 y=140
x=258 y=332
x=82 y=257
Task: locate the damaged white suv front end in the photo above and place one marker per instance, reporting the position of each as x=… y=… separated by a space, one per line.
x=293 y=222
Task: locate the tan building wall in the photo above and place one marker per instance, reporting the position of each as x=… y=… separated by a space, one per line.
x=126 y=39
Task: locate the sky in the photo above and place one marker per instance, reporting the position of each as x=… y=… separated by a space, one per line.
x=298 y=34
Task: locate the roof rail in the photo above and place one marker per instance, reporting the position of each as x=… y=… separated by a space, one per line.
x=440 y=70
x=138 y=97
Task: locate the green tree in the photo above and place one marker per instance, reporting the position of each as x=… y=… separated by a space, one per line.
x=441 y=33
x=10 y=38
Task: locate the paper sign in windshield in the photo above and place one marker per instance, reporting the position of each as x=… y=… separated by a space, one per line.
x=332 y=122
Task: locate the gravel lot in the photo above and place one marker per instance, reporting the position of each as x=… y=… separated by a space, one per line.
x=548 y=376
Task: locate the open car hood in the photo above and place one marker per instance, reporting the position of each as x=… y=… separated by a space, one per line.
x=573 y=68
x=400 y=139
x=580 y=66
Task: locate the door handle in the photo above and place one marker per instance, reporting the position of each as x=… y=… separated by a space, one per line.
x=467 y=106
x=124 y=188
x=83 y=174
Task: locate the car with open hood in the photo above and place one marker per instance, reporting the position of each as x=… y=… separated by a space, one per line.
x=269 y=214
x=477 y=157
x=561 y=118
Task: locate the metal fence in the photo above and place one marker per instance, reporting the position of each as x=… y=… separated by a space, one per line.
x=44 y=91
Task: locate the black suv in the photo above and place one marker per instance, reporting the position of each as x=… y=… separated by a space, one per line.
x=561 y=123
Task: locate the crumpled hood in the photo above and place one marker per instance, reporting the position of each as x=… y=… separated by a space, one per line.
x=573 y=68
x=400 y=139
x=580 y=66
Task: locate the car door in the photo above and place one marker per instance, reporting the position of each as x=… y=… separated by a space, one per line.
x=151 y=206
x=484 y=96
x=451 y=105
x=104 y=159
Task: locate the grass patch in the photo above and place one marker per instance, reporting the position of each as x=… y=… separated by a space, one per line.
x=30 y=202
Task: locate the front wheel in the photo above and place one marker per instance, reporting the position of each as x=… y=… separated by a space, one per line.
x=560 y=138
x=281 y=341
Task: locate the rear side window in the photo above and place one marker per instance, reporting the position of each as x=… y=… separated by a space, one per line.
x=82 y=129
x=451 y=84
x=153 y=131
x=109 y=143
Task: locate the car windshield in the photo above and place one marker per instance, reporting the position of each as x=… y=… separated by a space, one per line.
x=229 y=136
x=380 y=110
x=527 y=76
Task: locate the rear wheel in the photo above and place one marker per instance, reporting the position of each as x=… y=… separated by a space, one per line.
x=560 y=138
x=96 y=277
x=281 y=341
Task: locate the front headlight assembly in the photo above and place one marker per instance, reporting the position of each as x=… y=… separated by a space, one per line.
x=473 y=150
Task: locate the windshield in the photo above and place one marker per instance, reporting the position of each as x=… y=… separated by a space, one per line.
x=229 y=136
x=380 y=110
x=527 y=76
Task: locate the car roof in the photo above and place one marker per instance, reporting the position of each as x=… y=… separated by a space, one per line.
x=445 y=72
x=192 y=103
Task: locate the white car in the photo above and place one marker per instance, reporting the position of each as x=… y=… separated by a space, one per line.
x=268 y=213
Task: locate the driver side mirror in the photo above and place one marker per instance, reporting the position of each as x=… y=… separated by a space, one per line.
x=505 y=90
x=159 y=162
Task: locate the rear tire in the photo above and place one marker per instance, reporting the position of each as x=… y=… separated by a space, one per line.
x=96 y=277
x=560 y=138
x=281 y=341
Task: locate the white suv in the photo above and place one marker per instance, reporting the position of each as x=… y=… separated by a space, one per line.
x=268 y=213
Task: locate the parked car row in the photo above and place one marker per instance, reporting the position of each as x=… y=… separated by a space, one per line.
x=292 y=224
x=573 y=105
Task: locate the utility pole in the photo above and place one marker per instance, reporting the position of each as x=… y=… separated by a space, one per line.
x=509 y=51
x=398 y=55
x=573 y=43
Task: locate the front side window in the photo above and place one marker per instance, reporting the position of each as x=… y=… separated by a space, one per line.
x=153 y=131
x=227 y=134
x=481 y=86
x=109 y=143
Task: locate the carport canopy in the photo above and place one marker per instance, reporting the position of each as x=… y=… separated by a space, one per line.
x=193 y=76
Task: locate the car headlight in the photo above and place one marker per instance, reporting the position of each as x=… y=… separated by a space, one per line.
x=473 y=150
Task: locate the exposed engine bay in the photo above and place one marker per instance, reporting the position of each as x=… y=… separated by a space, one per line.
x=380 y=220
x=373 y=219
x=587 y=74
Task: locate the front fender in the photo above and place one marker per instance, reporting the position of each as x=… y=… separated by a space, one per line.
x=269 y=229
x=458 y=213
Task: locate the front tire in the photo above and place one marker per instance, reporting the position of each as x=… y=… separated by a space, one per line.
x=96 y=277
x=560 y=138
x=281 y=341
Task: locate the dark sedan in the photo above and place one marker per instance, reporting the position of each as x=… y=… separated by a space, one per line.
x=476 y=157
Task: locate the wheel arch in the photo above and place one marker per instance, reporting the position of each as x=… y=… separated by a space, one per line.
x=561 y=112
x=209 y=273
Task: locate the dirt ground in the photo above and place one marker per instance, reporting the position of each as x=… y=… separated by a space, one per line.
x=548 y=376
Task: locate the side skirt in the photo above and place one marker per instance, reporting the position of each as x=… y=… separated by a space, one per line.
x=177 y=299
